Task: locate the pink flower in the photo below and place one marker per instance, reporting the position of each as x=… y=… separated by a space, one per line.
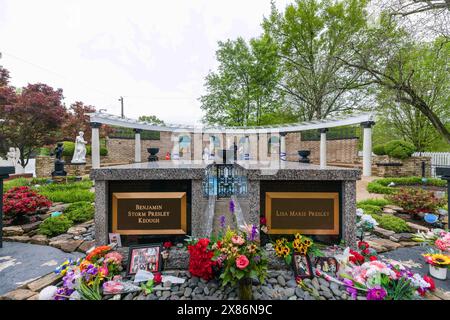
x=237 y=240
x=442 y=245
x=242 y=262
x=112 y=287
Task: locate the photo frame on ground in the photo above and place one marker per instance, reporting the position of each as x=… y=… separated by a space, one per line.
x=115 y=238
x=302 y=266
x=328 y=265
x=144 y=257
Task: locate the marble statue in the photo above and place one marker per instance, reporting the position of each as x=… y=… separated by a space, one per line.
x=13 y=157
x=206 y=154
x=79 y=155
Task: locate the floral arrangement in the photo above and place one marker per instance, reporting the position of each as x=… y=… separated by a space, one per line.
x=380 y=280
x=200 y=258
x=301 y=244
x=365 y=253
x=438 y=238
x=240 y=256
x=21 y=202
x=438 y=260
x=365 y=222
x=83 y=278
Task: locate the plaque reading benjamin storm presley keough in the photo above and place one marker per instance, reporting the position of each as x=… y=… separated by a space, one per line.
x=149 y=213
x=302 y=212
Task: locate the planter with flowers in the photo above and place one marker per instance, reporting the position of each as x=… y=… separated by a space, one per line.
x=438 y=264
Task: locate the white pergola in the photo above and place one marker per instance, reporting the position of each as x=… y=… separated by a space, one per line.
x=364 y=119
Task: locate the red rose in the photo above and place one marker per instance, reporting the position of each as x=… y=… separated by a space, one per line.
x=373 y=258
x=242 y=262
x=262 y=221
x=157 y=278
x=431 y=282
x=366 y=251
x=167 y=245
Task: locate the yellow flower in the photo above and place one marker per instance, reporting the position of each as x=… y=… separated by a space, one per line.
x=307 y=242
x=298 y=236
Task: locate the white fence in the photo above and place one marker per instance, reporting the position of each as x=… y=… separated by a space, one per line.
x=437 y=159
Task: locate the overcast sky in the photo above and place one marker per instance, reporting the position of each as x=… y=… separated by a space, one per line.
x=154 y=53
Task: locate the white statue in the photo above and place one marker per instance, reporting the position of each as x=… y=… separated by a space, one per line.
x=206 y=154
x=79 y=155
x=13 y=158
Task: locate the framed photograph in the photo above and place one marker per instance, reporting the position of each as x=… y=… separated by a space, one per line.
x=302 y=266
x=144 y=257
x=115 y=238
x=328 y=265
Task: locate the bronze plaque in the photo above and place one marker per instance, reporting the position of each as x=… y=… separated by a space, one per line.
x=302 y=212
x=149 y=213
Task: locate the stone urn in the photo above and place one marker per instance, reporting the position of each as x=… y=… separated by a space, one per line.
x=153 y=152
x=304 y=154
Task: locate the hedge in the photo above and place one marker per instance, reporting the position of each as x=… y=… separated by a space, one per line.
x=399 y=149
x=381 y=185
x=69 y=148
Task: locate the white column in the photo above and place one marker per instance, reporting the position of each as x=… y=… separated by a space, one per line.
x=247 y=148
x=367 y=148
x=137 y=145
x=95 y=145
x=323 y=147
x=283 y=156
x=176 y=147
x=211 y=148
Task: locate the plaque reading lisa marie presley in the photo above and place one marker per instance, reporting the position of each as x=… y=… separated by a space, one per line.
x=302 y=212
x=149 y=213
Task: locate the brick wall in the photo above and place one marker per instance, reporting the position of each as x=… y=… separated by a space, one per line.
x=341 y=151
x=409 y=167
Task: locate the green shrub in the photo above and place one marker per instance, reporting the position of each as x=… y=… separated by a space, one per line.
x=379 y=150
x=390 y=222
x=69 y=148
x=54 y=226
x=79 y=212
x=103 y=151
x=69 y=196
x=399 y=149
x=18 y=182
x=374 y=202
x=371 y=209
x=415 y=201
x=381 y=185
x=44 y=151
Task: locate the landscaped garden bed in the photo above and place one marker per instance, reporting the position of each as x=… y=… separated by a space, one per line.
x=40 y=212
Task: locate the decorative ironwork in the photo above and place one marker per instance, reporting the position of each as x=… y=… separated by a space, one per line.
x=224 y=181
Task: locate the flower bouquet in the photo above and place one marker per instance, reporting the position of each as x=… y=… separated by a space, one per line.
x=241 y=259
x=380 y=280
x=301 y=244
x=365 y=222
x=83 y=278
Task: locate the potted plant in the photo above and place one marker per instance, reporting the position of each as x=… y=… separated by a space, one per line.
x=439 y=263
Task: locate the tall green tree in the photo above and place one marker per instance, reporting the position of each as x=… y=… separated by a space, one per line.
x=411 y=73
x=243 y=89
x=312 y=37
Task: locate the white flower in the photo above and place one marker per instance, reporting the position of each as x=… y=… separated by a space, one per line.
x=359 y=212
x=418 y=282
x=48 y=293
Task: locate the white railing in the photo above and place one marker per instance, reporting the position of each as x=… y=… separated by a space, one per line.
x=437 y=159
